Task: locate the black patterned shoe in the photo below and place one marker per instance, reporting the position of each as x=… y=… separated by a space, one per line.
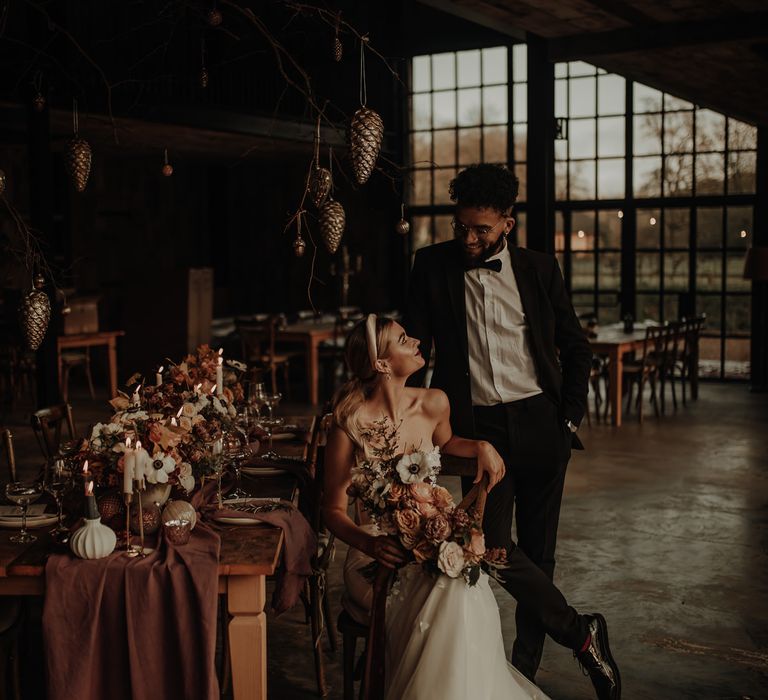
x=597 y=662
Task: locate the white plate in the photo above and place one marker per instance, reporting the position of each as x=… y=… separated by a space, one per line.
x=234 y=520
x=40 y=521
x=264 y=471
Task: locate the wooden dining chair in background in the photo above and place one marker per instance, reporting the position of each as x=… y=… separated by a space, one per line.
x=645 y=370
x=258 y=340
x=47 y=424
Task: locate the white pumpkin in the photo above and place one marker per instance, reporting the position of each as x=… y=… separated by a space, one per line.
x=93 y=540
x=180 y=510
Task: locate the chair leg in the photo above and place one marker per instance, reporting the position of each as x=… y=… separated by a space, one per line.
x=674 y=391
x=640 y=389
x=662 y=384
x=65 y=384
x=654 y=398
x=88 y=373
x=350 y=643
x=317 y=633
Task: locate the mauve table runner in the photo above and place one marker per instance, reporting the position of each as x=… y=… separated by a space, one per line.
x=125 y=628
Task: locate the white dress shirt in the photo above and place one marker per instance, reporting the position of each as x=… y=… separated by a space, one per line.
x=501 y=367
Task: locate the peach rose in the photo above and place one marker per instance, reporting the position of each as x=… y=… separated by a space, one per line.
x=409 y=540
x=156 y=433
x=397 y=493
x=185 y=423
x=442 y=497
x=427 y=510
x=188 y=410
x=424 y=551
x=421 y=492
x=408 y=523
x=228 y=395
x=437 y=529
x=476 y=544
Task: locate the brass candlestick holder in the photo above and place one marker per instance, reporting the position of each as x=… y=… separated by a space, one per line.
x=130 y=550
x=138 y=488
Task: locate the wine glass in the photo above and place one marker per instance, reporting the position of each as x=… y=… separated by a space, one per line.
x=271 y=401
x=257 y=393
x=234 y=451
x=56 y=483
x=22 y=493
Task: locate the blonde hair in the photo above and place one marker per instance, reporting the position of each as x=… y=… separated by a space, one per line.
x=350 y=397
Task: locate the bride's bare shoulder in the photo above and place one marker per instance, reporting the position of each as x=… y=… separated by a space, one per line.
x=434 y=402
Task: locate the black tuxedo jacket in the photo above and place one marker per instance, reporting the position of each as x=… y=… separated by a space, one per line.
x=436 y=315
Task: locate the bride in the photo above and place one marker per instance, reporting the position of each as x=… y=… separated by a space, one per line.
x=443 y=637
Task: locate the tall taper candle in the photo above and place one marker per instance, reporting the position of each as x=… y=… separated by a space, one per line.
x=91 y=511
x=129 y=467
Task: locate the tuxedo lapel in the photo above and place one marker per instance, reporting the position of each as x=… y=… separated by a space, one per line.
x=454 y=272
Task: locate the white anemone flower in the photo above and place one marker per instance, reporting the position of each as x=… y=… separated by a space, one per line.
x=412 y=468
x=159 y=468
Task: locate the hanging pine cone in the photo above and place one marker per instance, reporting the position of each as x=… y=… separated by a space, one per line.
x=319 y=185
x=38 y=102
x=402 y=227
x=332 y=221
x=214 y=17
x=299 y=246
x=338 y=49
x=34 y=314
x=365 y=134
x=3 y=181
x=78 y=159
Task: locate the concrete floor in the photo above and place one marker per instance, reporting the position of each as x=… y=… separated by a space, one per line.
x=664 y=529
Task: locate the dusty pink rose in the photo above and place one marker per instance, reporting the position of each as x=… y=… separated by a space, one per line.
x=185 y=423
x=437 y=529
x=427 y=510
x=156 y=433
x=228 y=395
x=421 y=492
x=408 y=522
x=409 y=540
x=396 y=494
x=442 y=497
x=476 y=543
x=424 y=551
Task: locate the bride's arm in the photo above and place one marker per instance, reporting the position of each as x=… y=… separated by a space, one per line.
x=339 y=459
x=488 y=459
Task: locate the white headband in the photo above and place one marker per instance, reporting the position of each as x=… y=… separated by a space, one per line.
x=370 y=332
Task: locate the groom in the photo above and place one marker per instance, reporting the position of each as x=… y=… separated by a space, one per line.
x=514 y=362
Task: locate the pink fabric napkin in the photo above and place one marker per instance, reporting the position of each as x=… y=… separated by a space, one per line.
x=134 y=628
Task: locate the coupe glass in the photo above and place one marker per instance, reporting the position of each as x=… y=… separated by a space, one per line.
x=22 y=493
x=271 y=401
x=57 y=482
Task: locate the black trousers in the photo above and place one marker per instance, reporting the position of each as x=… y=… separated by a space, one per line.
x=534 y=443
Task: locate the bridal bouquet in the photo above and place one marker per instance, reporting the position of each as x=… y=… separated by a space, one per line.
x=401 y=494
x=177 y=421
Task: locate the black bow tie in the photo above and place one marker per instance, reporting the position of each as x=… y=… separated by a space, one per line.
x=493 y=265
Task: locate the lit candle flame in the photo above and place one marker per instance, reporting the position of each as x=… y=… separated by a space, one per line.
x=128 y=443
x=160 y=370
x=178 y=415
x=221 y=356
x=138 y=445
x=85 y=467
x=213 y=388
x=197 y=387
x=89 y=489
x=173 y=421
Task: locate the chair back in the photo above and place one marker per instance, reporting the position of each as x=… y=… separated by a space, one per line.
x=653 y=347
x=83 y=316
x=254 y=336
x=47 y=425
x=10 y=455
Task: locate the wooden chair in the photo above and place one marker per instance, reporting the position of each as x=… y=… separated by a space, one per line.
x=258 y=346
x=83 y=317
x=47 y=425
x=372 y=687
x=668 y=361
x=689 y=340
x=646 y=369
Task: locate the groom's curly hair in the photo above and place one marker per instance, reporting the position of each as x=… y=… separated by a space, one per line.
x=486 y=186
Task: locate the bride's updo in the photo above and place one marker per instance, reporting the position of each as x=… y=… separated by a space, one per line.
x=360 y=356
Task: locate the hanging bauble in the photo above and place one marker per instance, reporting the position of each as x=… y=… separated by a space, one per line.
x=402 y=227
x=203 y=77
x=78 y=159
x=319 y=185
x=365 y=134
x=38 y=102
x=34 y=314
x=3 y=182
x=332 y=220
x=214 y=17
x=299 y=246
x=338 y=49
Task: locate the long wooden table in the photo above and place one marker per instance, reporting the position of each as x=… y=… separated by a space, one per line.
x=310 y=335
x=89 y=340
x=248 y=555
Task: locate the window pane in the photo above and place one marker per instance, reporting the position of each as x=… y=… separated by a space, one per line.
x=741 y=173
x=469 y=146
x=610 y=136
x=672 y=103
x=469 y=68
x=711 y=306
x=646 y=99
x=443 y=71
x=581 y=68
x=495 y=142
x=710 y=130
x=709 y=227
x=610 y=94
x=422 y=231
x=421 y=74
x=647 y=176
x=443 y=230
x=737 y=320
x=609 y=271
x=495 y=105
x=647 y=271
x=609 y=229
x=582 y=230
x=421 y=186
x=647 y=134
x=583 y=271
x=561 y=149
x=445 y=147
x=582 y=179
x=709 y=271
x=610 y=178
x=561 y=180
x=444 y=109
x=495 y=65
x=443 y=179
x=609 y=310
x=678 y=132
x=648 y=226
x=581 y=138
x=741 y=135
x=521 y=141
x=676 y=272
x=421 y=145
x=738 y=232
x=421 y=113
x=522 y=177
x=734 y=272
x=582 y=97
x=647 y=307
x=710 y=348
x=676 y=228
x=737 y=355
x=678 y=175
x=469 y=107
x=520 y=63
x=520 y=232
x=710 y=173
x=520 y=102
x=583 y=304
x=559 y=232
x=561 y=70
x=561 y=98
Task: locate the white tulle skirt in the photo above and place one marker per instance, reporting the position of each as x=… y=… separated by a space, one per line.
x=443 y=638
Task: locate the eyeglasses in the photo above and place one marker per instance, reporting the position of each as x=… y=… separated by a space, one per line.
x=480 y=231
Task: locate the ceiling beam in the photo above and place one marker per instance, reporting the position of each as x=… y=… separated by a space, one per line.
x=749 y=25
x=462 y=10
